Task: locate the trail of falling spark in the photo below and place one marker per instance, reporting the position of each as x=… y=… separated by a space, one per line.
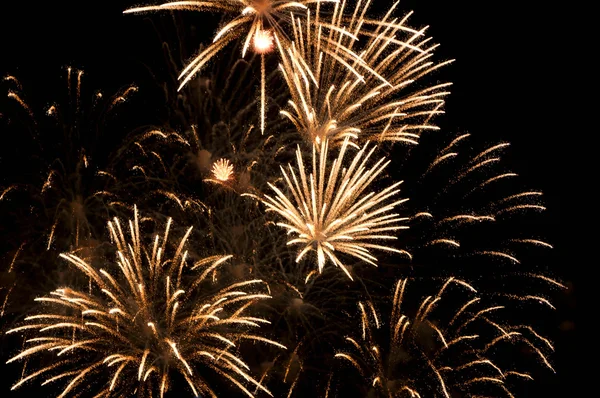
x=262 y=93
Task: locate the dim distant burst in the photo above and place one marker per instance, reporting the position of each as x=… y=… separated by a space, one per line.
x=150 y=315
x=330 y=211
x=441 y=347
x=70 y=192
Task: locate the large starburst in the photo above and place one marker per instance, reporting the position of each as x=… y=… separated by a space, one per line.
x=330 y=211
x=390 y=103
x=146 y=316
x=261 y=21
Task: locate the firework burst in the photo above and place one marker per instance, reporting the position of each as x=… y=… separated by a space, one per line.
x=222 y=170
x=329 y=212
x=468 y=206
x=268 y=26
x=260 y=20
x=62 y=186
x=446 y=346
x=388 y=104
x=66 y=141
x=147 y=315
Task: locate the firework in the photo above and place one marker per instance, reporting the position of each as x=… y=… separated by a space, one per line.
x=388 y=104
x=442 y=347
x=61 y=187
x=468 y=206
x=222 y=170
x=328 y=212
x=147 y=315
x=260 y=20
x=264 y=22
x=72 y=189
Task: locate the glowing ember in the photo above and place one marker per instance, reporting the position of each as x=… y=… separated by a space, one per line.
x=263 y=42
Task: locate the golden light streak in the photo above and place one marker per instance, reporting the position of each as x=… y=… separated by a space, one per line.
x=547 y=279
x=521 y=207
x=449 y=242
x=534 y=242
x=522 y=194
x=6 y=191
x=500 y=254
x=545 y=340
x=467 y=217
x=518 y=374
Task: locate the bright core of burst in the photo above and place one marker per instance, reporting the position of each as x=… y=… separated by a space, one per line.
x=263 y=42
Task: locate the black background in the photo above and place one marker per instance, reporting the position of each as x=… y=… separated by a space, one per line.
x=505 y=88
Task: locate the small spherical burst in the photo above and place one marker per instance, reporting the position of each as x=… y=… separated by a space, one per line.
x=146 y=316
x=222 y=170
x=330 y=211
x=263 y=42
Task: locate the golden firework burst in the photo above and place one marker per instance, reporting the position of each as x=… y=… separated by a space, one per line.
x=222 y=170
x=146 y=315
x=330 y=212
x=259 y=20
x=440 y=347
x=390 y=103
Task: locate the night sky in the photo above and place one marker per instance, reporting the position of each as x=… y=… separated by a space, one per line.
x=501 y=92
